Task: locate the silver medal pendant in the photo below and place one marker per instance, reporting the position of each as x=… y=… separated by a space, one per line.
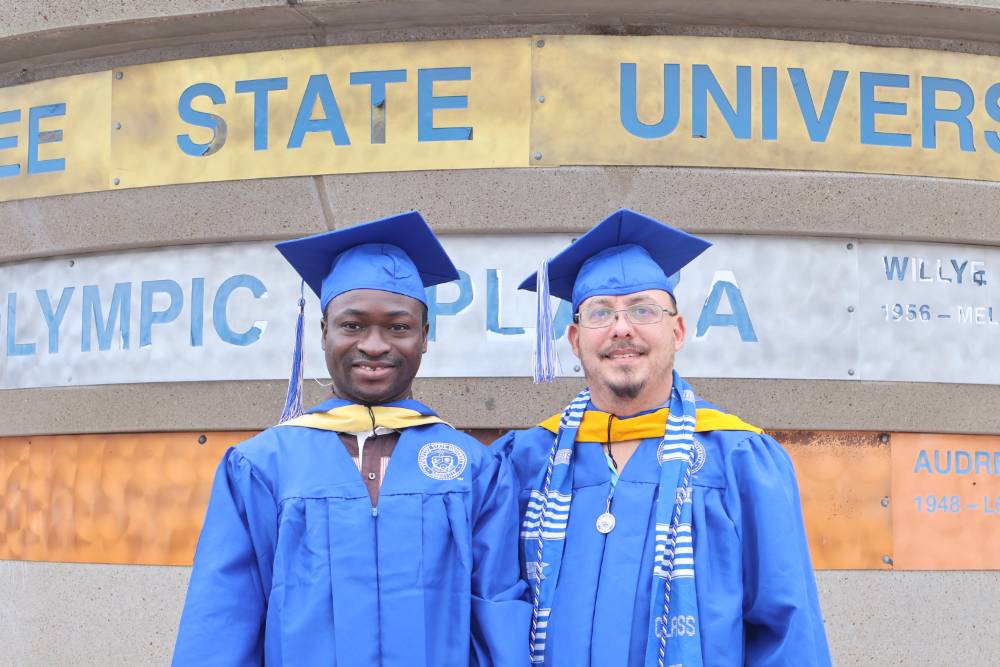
x=606 y=523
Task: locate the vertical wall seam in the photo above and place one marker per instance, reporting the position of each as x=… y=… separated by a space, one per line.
x=324 y=201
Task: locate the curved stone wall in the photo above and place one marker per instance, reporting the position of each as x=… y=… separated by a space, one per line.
x=873 y=617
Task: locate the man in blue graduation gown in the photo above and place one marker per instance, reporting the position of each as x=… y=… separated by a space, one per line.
x=366 y=531
x=657 y=529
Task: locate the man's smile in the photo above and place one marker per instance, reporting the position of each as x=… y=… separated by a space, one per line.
x=623 y=354
x=373 y=370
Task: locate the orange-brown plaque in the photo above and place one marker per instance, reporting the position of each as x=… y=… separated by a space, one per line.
x=122 y=498
x=946 y=502
x=844 y=484
x=140 y=498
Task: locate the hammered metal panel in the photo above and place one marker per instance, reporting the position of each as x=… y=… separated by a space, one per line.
x=126 y=499
x=844 y=484
x=140 y=499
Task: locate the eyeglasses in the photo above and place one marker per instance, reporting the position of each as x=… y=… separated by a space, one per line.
x=600 y=317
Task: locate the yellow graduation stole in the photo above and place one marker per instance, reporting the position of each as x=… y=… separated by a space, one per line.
x=358 y=418
x=594 y=427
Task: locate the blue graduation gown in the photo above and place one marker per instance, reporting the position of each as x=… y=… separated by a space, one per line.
x=295 y=567
x=756 y=591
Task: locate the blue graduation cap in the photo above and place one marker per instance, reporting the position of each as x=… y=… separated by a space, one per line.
x=627 y=252
x=397 y=254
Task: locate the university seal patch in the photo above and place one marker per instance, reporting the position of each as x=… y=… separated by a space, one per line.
x=699 y=455
x=441 y=460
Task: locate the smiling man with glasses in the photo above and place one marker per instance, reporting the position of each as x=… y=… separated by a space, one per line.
x=657 y=529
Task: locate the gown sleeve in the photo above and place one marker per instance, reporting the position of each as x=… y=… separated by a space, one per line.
x=501 y=615
x=223 y=619
x=527 y=452
x=782 y=620
x=504 y=448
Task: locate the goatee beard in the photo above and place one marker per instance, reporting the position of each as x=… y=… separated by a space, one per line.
x=627 y=391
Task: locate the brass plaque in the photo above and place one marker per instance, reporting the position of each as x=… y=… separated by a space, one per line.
x=329 y=110
x=543 y=101
x=728 y=102
x=55 y=136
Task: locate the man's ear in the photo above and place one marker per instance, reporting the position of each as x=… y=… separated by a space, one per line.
x=679 y=332
x=573 y=335
x=427 y=333
x=322 y=328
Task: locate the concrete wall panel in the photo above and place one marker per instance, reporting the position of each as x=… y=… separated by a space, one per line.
x=60 y=614
x=746 y=201
x=27 y=71
x=110 y=36
x=46 y=15
x=111 y=615
x=170 y=215
x=57 y=614
x=917 y=619
x=61 y=31
x=521 y=201
x=501 y=403
x=35 y=56
x=906 y=15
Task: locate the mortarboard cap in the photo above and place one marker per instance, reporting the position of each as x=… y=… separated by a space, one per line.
x=398 y=254
x=627 y=252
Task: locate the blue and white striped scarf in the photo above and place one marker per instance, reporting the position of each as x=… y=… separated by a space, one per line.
x=674 y=633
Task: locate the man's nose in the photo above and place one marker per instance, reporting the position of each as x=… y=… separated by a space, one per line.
x=373 y=343
x=622 y=326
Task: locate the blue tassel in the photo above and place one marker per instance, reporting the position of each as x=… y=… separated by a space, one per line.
x=544 y=359
x=293 y=399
